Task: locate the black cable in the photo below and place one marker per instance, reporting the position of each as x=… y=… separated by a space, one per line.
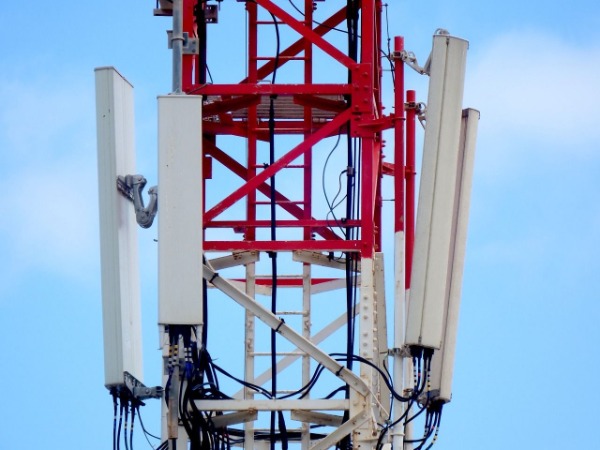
x=273 y=211
x=204 y=339
x=391 y=425
x=352 y=15
x=388 y=56
x=200 y=18
x=146 y=432
x=303 y=391
x=386 y=380
x=323 y=177
x=114 y=394
x=410 y=419
x=119 y=426
x=437 y=426
x=431 y=424
x=125 y=434
x=132 y=423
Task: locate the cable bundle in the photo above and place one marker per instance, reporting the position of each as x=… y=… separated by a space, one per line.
x=127 y=405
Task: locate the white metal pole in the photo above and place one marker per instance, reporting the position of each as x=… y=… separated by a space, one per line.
x=399 y=326
x=177 y=44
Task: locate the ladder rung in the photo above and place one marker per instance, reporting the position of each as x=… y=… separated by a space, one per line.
x=291 y=313
x=280 y=202
x=295 y=430
x=289 y=166
x=278 y=353
x=269 y=22
x=280 y=58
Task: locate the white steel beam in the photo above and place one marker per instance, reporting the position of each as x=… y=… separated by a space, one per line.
x=319 y=418
x=342 y=431
x=272 y=405
x=226 y=420
x=320 y=259
x=382 y=344
x=367 y=349
x=235 y=259
x=249 y=347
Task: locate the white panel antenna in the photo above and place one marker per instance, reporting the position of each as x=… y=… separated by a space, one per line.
x=442 y=365
x=433 y=233
x=180 y=217
x=118 y=229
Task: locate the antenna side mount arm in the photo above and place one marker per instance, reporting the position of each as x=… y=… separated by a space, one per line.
x=131 y=186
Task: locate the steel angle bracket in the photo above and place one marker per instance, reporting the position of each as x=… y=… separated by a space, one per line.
x=278 y=324
x=139 y=391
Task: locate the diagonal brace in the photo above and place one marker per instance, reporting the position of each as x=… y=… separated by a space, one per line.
x=326 y=26
x=307 y=33
x=277 y=324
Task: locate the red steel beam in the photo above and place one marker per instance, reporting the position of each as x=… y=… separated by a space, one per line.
x=313 y=224
x=270 y=89
x=276 y=246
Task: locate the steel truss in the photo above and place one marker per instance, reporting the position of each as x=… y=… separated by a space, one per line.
x=261 y=109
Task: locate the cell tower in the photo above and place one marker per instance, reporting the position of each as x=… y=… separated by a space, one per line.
x=271 y=202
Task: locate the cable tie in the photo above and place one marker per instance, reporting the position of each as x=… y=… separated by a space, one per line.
x=279 y=326
x=215 y=275
x=338 y=373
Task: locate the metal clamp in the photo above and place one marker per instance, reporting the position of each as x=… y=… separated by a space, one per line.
x=190 y=45
x=131 y=186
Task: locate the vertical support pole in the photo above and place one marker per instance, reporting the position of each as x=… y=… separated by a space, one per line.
x=308 y=79
x=365 y=436
x=410 y=172
x=189 y=61
x=249 y=349
x=250 y=332
x=377 y=97
x=307 y=232
x=177 y=44
x=399 y=243
x=411 y=114
x=306 y=332
x=383 y=392
x=251 y=8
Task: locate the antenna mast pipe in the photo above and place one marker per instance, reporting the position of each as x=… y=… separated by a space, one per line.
x=177 y=43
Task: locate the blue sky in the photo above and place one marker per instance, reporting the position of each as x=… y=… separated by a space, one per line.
x=528 y=336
